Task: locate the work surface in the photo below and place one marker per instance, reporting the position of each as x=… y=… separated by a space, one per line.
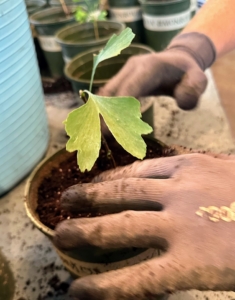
x=37 y=269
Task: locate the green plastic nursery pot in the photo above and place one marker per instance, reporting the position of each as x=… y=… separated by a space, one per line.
x=129 y=12
x=78 y=71
x=47 y=22
x=57 y=2
x=163 y=20
x=67 y=2
x=34 y=6
x=77 y=38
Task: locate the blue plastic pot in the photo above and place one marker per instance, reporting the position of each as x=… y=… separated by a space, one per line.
x=23 y=121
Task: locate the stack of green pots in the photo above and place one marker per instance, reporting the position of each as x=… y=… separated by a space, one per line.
x=163 y=19
x=34 y=6
x=128 y=12
x=47 y=22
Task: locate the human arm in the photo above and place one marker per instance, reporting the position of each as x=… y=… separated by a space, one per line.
x=216 y=20
x=178 y=71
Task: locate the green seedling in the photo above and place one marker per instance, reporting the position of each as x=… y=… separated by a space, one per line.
x=89 y=11
x=121 y=114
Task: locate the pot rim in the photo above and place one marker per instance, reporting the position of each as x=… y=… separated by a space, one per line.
x=71 y=77
x=33 y=18
x=40 y=3
x=91 y=42
x=166 y=2
x=29 y=211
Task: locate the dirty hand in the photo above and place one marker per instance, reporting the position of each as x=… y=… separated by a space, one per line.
x=180 y=204
x=178 y=71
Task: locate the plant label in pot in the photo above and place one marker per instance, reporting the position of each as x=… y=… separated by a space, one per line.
x=193 y=7
x=163 y=20
x=130 y=13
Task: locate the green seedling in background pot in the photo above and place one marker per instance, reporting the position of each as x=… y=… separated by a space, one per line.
x=121 y=114
x=89 y=12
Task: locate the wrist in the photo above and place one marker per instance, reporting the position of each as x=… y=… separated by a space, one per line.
x=197 y=45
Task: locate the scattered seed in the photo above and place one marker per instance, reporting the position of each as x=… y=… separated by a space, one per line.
x=232 y=206
x=215 y=214
x=226 y=214
x=213 y=219
x=199 y=213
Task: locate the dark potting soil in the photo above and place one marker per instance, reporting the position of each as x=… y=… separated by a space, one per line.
x=68 y=174
x=60 y=85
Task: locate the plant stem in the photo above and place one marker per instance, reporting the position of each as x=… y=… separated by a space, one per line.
x=108 y=150
x=96 y=30
x=65 y=8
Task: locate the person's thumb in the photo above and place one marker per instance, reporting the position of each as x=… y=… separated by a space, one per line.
x=188 y=91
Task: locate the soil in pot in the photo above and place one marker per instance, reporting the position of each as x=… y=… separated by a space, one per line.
x=43 y=192
x=68 y=174
x=56 y=86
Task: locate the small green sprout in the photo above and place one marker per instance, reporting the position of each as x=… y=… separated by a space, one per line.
x=121 y=114
x=89 y=12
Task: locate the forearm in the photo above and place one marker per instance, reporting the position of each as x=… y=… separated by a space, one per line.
x=216 y=19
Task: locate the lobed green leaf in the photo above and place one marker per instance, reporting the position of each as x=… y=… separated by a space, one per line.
x=113 y=47
x=121 y=115
x=83 y=127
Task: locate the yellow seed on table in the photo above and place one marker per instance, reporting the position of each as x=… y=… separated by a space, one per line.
x=213 y=219
x=203 y=208
x=214 y=211
x=226 y=214
x=232 y=206
x=199 y=213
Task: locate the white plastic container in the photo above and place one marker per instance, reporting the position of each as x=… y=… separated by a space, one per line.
x=23 y=121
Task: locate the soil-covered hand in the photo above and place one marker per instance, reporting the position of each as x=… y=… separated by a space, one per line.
x=182 y=204
x=178 y=71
